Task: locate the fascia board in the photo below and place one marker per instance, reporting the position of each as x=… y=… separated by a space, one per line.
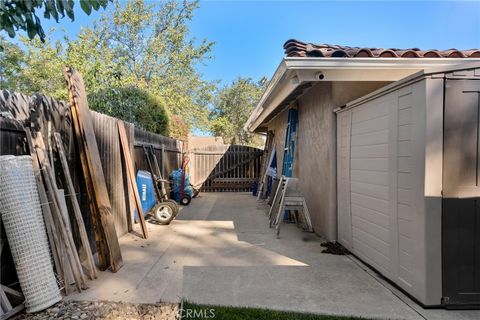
x=373 y=63
x=340 y=69
x=272 y=86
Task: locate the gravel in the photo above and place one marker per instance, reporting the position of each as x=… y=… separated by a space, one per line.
x=86 y=310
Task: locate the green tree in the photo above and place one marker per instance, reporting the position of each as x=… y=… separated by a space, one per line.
x=150 y=47
x=232 y=107
x=134 y=105
x=136 y=44
x=36 y=68
x=42 y=64
x=21 y=14
x=11 y=64
x=178 y=128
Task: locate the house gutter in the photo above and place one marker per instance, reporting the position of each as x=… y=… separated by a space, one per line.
x=293 y=72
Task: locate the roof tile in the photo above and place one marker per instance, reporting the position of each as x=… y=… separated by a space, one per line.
x=295 y=48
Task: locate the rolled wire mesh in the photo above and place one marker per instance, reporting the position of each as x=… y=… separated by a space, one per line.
x=23 y=220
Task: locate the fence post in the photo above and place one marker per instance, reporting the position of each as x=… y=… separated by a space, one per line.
x=163 y=161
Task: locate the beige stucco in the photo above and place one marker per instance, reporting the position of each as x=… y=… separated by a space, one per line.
x=279 y=126
x=315 y=158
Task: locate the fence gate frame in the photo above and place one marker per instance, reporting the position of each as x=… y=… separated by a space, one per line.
x=225 y=168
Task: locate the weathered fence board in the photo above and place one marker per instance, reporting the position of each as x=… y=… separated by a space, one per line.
x=168 y=151
x=225 y=167
x=106 y=132
x=12 y=141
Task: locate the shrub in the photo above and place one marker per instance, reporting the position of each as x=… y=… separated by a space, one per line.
x=134 y=105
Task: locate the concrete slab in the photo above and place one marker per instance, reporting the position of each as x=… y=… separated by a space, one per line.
x=220 y=250
x=299 y=288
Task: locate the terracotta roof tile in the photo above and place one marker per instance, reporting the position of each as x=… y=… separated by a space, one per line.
x=295 y=48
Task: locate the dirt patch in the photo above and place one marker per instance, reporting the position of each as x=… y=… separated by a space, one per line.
x=85 y=310
x=334 y=248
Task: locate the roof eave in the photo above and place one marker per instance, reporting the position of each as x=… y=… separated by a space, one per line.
x=294 y=71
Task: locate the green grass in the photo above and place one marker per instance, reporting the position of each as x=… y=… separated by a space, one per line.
x=198 y=311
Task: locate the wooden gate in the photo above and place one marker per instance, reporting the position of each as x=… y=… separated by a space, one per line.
x=220 y=168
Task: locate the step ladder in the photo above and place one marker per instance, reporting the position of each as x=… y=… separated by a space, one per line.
x=289 y=198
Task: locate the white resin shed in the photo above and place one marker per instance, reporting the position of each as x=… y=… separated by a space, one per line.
x=408 y=195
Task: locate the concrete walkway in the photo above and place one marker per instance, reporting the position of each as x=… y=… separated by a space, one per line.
x=220 y=250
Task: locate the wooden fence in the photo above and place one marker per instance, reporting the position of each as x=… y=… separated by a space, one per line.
x=225 y=167
x=169 y=152
x=16 y=110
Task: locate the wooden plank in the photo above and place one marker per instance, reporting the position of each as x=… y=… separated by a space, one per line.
x=102 y=249
x=12 y=292
x=12 y=312
x=6 y=306
x=102 y=201
x=276 y=200
x=76 y=208
x=131 y=176
x=53 y=239
x=97 y=226
x=52 y=194
x=69 y=278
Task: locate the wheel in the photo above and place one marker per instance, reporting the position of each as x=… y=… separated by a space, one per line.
x=164 y=212
x=174 y=204
x=185 y=200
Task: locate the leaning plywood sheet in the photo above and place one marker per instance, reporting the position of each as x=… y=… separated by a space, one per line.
x=105 y=229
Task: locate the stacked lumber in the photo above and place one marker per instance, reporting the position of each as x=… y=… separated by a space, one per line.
x=108 y=248
x=59 y=228
x=68 y=240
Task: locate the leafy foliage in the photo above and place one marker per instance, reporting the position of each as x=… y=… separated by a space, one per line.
x=150 y=45
x=233 y=105
x=146 y=45
x=178 y=129
x=20 y=14
x=133 y=105
x=11 y=58
x=37 y=68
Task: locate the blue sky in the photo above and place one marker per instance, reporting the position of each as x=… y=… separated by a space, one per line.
x=249 y=34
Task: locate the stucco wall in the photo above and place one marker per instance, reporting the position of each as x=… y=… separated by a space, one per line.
x=315 y=165
x=279 y=126
x=315 y=157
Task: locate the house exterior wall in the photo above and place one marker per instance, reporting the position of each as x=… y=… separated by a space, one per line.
x=315 y=162
x=279 y=127
x=315 y=156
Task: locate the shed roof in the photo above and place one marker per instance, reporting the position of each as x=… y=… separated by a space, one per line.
x=464 y=71
x=295 y=48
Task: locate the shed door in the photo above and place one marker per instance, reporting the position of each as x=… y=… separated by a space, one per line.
x=461 y=194
x=369 y=191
